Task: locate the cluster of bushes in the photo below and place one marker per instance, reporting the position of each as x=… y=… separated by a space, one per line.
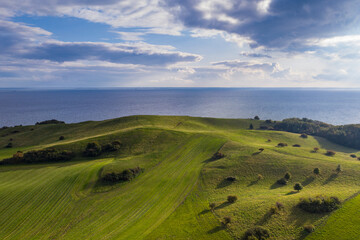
x=319 y=204
x=52 y=121
x=40 y=156
x=126 y=175
x=347 y=135
x=257 y=233
x=94 y=149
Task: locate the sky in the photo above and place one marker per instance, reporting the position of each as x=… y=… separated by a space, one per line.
x=179 y=43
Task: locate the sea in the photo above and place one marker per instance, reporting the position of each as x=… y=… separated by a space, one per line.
x=26 y=106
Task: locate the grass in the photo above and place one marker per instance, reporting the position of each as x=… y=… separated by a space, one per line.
x=170 y=200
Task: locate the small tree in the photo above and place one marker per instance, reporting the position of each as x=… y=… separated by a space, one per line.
x=287 y=176
x=232 y=198
x=298 y=187
x=256 y=118
x=338 y=168
x=227 y=220
x=251 y=126
x=316 y=149
x=316 y=171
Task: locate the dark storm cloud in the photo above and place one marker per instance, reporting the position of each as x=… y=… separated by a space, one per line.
x=284 y=24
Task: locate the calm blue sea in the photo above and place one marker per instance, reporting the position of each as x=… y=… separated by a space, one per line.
x=29 y=106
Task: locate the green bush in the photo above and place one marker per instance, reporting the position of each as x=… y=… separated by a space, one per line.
x=251 y=126
x=112 y=147
x=126 y=175
x=282 y=144
x=316 y=171
x=330 y=153
x=257 y=232
x=304 y=135
x=353 y=155
x=298 y=187
x=319 y=204
x=40 y=156
x=61 y=138
x=92 y=149
x=287 y=176
x=232 y=198
x=296 y=145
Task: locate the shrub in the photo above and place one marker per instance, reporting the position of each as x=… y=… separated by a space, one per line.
x=319 y=204
x=52 y=121
x=330 y=153
x=338 y=168
x=61 y=138
x=309 y=228
x=316 y=149
x=218 y=155
x=279 y=205
x=261 y=149
x=304 y=135
x=269 y=140
x=353 y=155
x=111 y=147
x=268 y=121
x=212 y=206
x=251 y=126
x=282 y=144
x=298 y=187
x=260 y=177
x=227 y=220
x=282 y=181
x=316 y=171
x=126 y=175
x=9 y=145
x=287 y=176
x=230 y=179
x=257 y=232
x=256 y=118
x=232 y=198
x=296 y=145
x=92 y=149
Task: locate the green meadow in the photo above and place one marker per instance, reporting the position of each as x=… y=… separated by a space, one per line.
x=170 y=199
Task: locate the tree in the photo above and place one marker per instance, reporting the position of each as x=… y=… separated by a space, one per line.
x=93 y=149
x=338 y=169
x=251 y=126
x=287 y=176
x=256 y=118
x=232 y=198
x=316 y=149
x=298 y=187
x=316 y=171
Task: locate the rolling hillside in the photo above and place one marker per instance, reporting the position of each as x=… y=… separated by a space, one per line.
x=170 y=199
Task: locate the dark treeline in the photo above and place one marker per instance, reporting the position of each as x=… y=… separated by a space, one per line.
x=52 y=121
x=347 y=135
x=40 y=156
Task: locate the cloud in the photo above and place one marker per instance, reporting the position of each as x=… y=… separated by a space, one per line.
x=280 y=24
x=267 y=67
x=144 y=54
x=255 y=55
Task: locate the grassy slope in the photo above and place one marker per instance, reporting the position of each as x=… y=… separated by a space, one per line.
x=64 y=201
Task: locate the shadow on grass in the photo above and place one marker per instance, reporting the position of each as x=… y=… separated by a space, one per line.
x=276 y=185
x=307 y=181
x=216 y=229
x=224 y=204
x=291 y=193
x=264 y=219
x=224 y=183
x=205 y=211
x=253 y=182
x=325 y=144
x=256 y=153
x=331 y=178
x=209 y=160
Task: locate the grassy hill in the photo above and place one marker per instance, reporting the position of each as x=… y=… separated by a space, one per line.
x=170 y=199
